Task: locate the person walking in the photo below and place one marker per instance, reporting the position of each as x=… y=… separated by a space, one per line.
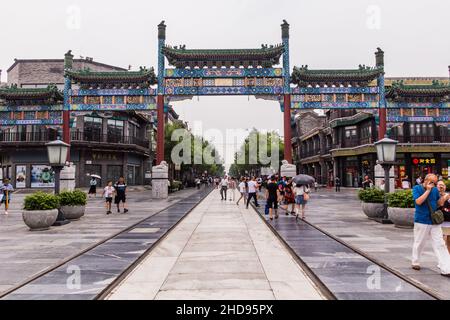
x=6 y=189
x=232 y=186
x=108 y=193
x=337 y=183
x=121 y=194
x=427 y=199
x=93 y=187
x=242 y=190
x=252 y=188
x=272 y=195
x=289 y=198
x=301 y=199
x=445 y=208
x=223 y=188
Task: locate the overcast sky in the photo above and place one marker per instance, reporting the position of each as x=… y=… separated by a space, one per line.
x=414 y=34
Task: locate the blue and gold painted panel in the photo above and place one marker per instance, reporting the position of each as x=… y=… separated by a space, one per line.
x=223 y=73
x=225 y=90
x=113 y=107
x=112 y=92
x=332 y=90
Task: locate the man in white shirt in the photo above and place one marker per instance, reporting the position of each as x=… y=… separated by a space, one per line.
x=224 y=187
x=252 y=187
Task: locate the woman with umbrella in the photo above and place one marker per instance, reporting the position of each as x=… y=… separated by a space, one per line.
x=301 y=191
x=93 y=185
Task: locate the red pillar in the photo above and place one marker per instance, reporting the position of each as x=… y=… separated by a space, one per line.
x=382 y=125
x=287 y=128
x=66 y=130
x=160 y=135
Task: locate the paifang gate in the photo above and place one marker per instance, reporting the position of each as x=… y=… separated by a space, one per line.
x=263 y=72
x=214 y=72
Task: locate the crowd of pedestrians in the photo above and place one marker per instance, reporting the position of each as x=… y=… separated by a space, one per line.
x=279 y=193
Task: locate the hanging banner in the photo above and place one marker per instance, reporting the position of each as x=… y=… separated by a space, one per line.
x=21 y=177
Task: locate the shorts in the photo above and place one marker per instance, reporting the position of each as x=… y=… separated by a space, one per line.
x=120 y=198
x=300 y=199
x=272 y=203
x=108 y=199
x=446 y=229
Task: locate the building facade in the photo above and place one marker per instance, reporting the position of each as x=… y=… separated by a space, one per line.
x=340 y=143
x=107 y=143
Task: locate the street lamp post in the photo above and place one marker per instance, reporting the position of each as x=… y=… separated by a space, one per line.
x=57 y=155
x=386 y=153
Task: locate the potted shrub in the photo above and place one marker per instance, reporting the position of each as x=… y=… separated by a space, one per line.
x=175 y=185
x=73 y=204
x=40 y=210
x=372 y=202
x=401 y=208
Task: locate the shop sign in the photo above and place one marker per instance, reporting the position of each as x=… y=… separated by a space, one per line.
x=423 y=161
x=104 y=156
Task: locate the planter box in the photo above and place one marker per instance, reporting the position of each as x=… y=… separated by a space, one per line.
x=40 y=219
x=373 y=210
x=402 y=217
x=73 y=212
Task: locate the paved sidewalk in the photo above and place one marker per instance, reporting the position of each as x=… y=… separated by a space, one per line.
x=219 y=251
x=24 y=253
x=340 y=214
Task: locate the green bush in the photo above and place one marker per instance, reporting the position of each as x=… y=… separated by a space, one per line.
x=72 y=198
x=401 y=199
x=372 y=195
x=41 y=201
x=175 y=185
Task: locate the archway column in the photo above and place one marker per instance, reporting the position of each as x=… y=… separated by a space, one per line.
x=287 y=128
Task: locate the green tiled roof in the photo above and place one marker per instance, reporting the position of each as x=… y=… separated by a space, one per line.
x=303 y=76
x=182 y=57
x=15 y=93
x=138 y=77
x=436 y=89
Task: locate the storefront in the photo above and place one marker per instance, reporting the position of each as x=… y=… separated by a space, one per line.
x=351 y=171
x=423 y=164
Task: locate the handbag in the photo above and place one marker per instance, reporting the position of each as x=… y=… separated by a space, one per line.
x=305 y=195
x=437 y=217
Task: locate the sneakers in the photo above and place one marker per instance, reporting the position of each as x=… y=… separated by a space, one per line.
x=415 y=267
x=108 y=212
x=125 y=210
x=6 y=213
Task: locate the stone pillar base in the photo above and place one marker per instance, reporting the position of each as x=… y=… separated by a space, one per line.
x=67 y=180
x=160 y=175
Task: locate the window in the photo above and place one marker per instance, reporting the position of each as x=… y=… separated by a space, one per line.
x=93 y=128
x=133 y=130
x=115 y=130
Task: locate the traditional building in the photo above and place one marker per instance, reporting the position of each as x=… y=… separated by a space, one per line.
x=109 y=143
x=417 y=116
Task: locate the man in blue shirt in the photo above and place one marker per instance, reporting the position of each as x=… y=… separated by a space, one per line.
x=423 y=226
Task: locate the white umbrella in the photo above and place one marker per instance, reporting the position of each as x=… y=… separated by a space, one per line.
x=95 y=176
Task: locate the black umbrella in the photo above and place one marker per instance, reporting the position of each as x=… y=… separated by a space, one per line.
x=303 y=179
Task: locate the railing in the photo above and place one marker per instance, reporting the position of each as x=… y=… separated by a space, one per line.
x=27 y=136
x=419 y=139
x=310 y=153
x=107 y=138
x=77 y=136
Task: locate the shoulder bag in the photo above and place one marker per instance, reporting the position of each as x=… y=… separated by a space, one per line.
x=437 y=217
